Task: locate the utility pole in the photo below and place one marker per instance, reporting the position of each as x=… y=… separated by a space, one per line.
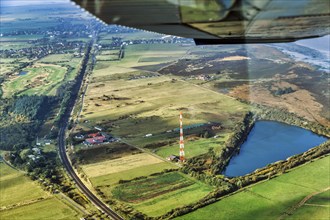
x=182 y=159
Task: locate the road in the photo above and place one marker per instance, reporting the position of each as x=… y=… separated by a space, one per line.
x=62 y=145
x=79 y=183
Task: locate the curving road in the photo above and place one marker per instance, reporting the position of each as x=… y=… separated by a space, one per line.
x=62 y=146
x=76 y=179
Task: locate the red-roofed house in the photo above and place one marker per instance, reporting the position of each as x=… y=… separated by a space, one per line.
x=94 y=135
x=95 y=140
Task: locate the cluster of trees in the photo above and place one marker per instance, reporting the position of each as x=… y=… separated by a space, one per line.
x=21 y=118
x=33 y=107
x=197 y=165
x=69 y=91
x=268 y=113
x=126 y=211
x=280 y=91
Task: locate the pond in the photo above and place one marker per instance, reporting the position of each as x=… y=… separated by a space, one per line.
x=268 y=142
x=23 y=73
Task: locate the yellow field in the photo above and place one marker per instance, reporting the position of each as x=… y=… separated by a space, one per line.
x=146 y=170
x=119 y=165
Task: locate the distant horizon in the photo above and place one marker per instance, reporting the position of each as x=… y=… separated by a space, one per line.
x=318 y=43
x=16 y=3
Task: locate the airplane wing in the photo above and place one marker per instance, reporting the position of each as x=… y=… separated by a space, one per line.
x=219 y=21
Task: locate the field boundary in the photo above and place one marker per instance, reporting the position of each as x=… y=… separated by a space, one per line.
x=292 y=209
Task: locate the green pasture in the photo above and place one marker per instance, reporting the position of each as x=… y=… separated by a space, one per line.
x=193 y=147
x=16 y=188
x=144 y=189
x=158 y=195
x=318 y=207
x=164 y=203
x=41 y=80
x=51 y=208
x=64 y=60
x=152 y=53
x=27 y=200
x=271 y=199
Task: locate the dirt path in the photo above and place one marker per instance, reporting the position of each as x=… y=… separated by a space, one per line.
x=292 y=209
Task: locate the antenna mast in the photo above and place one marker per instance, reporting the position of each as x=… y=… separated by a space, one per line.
x=181 y=141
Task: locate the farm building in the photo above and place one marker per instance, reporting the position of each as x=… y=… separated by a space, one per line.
x=98 y=138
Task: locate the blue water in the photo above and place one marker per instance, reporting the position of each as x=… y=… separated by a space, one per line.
x=23 y=73
x=269 y=142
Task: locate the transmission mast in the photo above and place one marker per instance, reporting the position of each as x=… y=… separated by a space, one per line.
x=181 y=141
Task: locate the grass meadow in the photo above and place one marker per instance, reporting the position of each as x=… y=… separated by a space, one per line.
x=271 y=199
x=39 y=80
x=15 y=187
x=318 y=207
x=158 y=194
x=164 y=203
x=43 y=78
x=21 y=198
x=51 y=208
x=193 y=147
x=144 y=189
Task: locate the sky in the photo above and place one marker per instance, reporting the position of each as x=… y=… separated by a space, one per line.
x=322 y=43
x=30 y=2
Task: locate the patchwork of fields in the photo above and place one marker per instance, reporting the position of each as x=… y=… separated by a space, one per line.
x=21 y=198
x=150 y=188
x=272 y=199
x=121 y=99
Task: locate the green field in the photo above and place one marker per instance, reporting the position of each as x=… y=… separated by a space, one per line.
x=162 y=204
x=157 y=195
x=40 y=80
x=193 y=147
x=144 y=189
x=151 y=52
x=15 y=187
x=51 y=208
x=318 y=207
x=64 y=60
x=21 y=198
x=271 y=199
